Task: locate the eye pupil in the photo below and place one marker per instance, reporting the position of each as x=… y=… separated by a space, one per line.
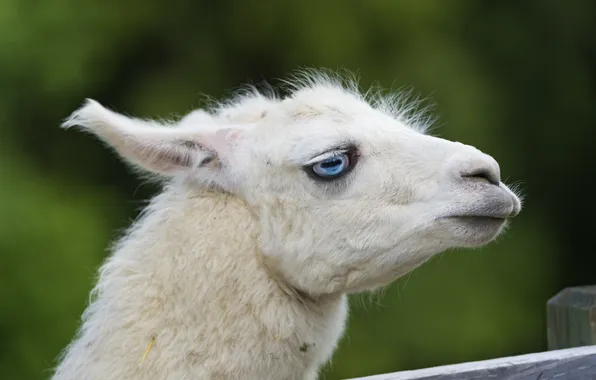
x=329 y=164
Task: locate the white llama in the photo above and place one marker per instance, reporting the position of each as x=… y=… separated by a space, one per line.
x=273 y=210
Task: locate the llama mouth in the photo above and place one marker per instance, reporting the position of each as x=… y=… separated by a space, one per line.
x=482 y=216
x=493 y=210
x=478 y=218
x=499 y=213
x=478 y=221
x=474 y=230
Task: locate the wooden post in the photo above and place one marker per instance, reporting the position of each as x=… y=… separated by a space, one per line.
x=571 y=318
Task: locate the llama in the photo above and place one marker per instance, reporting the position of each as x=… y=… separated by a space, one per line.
x=273 y=210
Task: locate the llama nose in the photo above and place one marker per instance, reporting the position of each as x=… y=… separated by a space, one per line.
x=479 y=166
x=483 y=173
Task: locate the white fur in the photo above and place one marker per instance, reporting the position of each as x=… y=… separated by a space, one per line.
x=240 y=268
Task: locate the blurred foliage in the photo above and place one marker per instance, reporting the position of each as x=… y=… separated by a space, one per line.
x=516 y=79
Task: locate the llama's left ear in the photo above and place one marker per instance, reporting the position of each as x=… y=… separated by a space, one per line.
x=154 y=147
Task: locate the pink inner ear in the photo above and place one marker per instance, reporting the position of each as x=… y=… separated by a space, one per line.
x=227 y=138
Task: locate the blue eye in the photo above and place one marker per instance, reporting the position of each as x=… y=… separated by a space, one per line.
x=332 y=167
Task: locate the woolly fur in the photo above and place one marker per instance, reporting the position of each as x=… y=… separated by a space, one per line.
x=240 y=267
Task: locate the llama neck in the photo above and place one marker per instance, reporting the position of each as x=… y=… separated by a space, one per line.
x=188 y=276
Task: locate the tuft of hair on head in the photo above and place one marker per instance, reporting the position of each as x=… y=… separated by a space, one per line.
x=310 y=78
x=312 y=92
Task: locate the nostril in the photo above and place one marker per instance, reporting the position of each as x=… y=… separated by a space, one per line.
x=483 y=174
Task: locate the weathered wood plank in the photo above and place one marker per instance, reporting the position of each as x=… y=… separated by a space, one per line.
x=571 y=318
x=568 y=364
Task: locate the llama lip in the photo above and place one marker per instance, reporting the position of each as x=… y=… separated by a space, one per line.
x=476 y=217
x=474 y=230
x=496 y=203
x=478 y=220
x=494 y=214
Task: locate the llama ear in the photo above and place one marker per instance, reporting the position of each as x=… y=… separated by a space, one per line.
x=196 y=117
x=158 y=148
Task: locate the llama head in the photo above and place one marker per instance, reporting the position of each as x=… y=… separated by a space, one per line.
x=349 y=193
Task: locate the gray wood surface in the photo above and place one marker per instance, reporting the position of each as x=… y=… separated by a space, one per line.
x=571 y=318
x=568 y=364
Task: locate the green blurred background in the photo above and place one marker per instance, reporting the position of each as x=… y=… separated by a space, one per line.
x=517 y=79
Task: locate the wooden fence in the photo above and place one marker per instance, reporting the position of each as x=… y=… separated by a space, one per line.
x=571 y=335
